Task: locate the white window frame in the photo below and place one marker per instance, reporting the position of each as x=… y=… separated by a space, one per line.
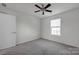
x=55 y=26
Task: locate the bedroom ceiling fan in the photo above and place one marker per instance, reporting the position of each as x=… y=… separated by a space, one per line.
x=43 y=8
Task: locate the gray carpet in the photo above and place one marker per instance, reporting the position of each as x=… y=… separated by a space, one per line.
x=42 y=47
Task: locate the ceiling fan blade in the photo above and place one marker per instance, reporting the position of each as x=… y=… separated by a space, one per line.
x=38 y=6
x=43 y=13
x=37 y=11
x=3 y=4
x=48 y=10
x=48 y=5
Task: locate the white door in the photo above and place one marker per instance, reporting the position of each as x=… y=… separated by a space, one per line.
x=7 y=31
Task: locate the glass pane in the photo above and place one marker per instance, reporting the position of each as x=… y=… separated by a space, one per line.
x=56 y=22
x=55 y=31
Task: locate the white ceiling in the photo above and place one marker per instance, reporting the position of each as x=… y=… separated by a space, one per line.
x=29 y=8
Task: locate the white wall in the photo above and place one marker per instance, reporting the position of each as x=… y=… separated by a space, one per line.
x=69 y=29
x=28 y=28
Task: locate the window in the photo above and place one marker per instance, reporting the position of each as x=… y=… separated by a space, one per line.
x=55 y=26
